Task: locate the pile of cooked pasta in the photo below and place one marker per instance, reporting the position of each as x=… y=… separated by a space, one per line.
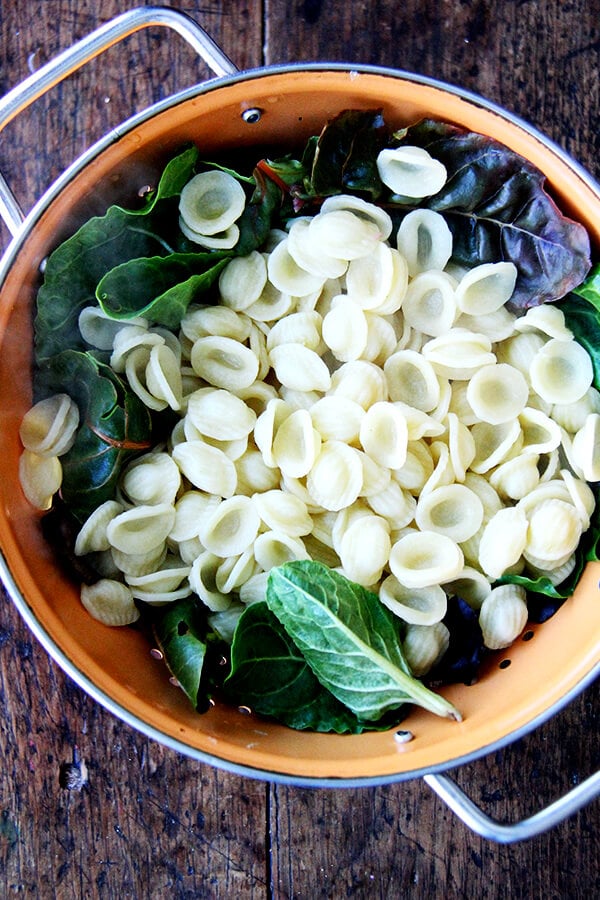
x=354 y=399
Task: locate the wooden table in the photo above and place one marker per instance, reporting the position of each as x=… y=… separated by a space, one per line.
x=149 y=823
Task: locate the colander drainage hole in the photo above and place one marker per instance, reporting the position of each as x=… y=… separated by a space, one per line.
x=504 y=664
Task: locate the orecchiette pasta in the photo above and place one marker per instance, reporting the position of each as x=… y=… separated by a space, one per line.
x=354 y=398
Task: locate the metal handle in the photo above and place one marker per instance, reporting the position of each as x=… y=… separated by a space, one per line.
x=489 y=828
x=67 y=62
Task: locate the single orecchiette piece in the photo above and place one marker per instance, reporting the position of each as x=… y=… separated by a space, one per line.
x=493 y=443
x=231 y=527
x=369 y=279
x=110 y=602
x=309 y=256
x=254 y=589
x=141 y=529
x=497 y=393
x=344 y=234
x=360 y=381
x=274 y=548
x=337 y=418
x=561 y=371
x=424 y=646
x=365 y=548
x=299 y=368
x=208 y=468
x=417 y=605
x=282 y=511
x=92 y=537
x=425 y=558
x=296 y=444
x=424 y=240
x=267 y=426
x=363 y=209
x=99 y=329
x=224 y=362
x=345 y=329
x=384 y=434
x=541 y=434
x=516 y=477
x=141 y=563
x=49 y=427
x=242 y=281
x=163 y=376
x=551 y=545
x=287 y=276
x=150 y=479
x=394 y=504
x=411 y=379
x=411 y=171
x=203 y=575
x=215 y=321
x=211 y=202
x=472 y=586
x=503 y=541
x=503 y=616
x=220 y=414
x=586 y=448
x=297 y=328
x=235 y=571
x=485 y=288
x=547 y=319
x=430 y=303
x=190 y=510
x=452 y=509
x=335 y=479
x=459 y=353
x=40 y=478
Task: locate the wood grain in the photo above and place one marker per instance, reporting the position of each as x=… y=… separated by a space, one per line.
x=149 y=823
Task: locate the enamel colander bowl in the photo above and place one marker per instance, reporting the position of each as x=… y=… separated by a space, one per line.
x=271 y=107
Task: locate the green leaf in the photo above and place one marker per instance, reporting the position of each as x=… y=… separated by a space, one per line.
x=74 y=269
x=270 y=675
x=114 y=426
x=178 y=633
x=497 y=208
x=344 y=158
x=582 y=316
x=349 y=639
x=160 y=288
x=590 y=288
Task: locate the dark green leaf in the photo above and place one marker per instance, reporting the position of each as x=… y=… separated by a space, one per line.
x=583 y=318
x=114 y=425
x=590 y=289
x=349 y=639
x=345 y=155
x=74 y=269
x=160 y=288
x=270 y=675
x=178 y=632
x=497 y=208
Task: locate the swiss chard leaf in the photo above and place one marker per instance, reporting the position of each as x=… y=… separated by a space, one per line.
x=179 y=634
x=114 y=425
x=590 y=288
x=269 y=674
x=497 y=208
x=344 y=157
x=349 y=639
x=582 y=315
x=160 y=288
x=74 y=269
